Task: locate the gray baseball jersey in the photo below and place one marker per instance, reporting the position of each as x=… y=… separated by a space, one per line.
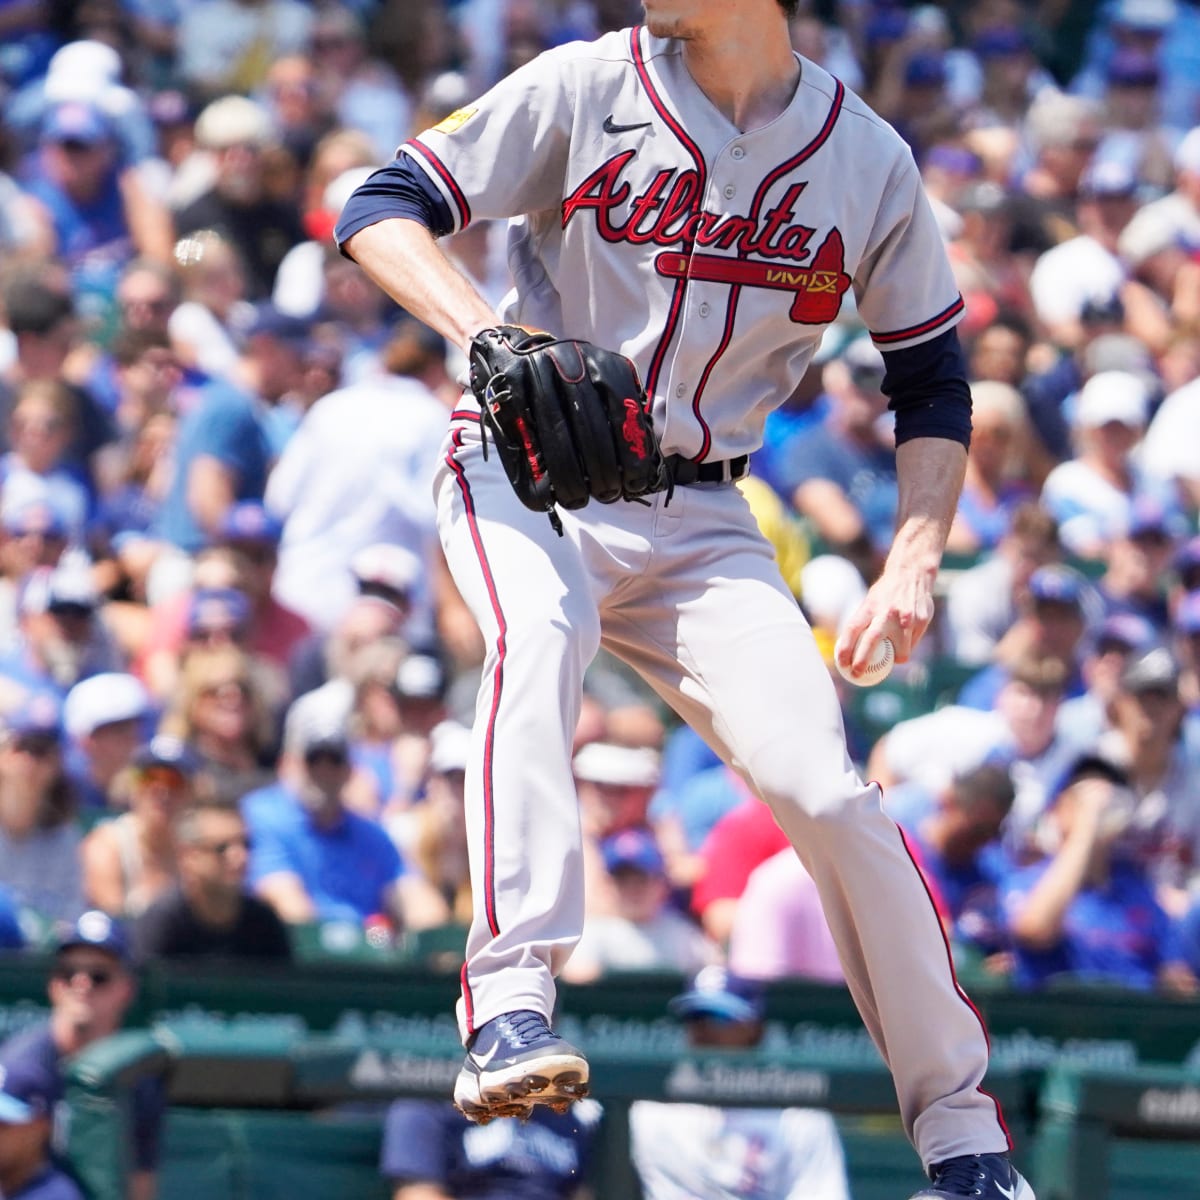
x=714 y=258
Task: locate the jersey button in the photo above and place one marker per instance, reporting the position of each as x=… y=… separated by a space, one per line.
x=737 y=152
x=704 y=309
x=680 y=389
x=730 y=191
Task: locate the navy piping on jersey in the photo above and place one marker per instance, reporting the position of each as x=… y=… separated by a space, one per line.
x=900 y=335
x=401 y=189
x=660 y=107
x=927 y=388
x=957 y=986
x=735 y=290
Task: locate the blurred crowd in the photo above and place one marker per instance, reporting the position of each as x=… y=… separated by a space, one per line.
x=236 y=680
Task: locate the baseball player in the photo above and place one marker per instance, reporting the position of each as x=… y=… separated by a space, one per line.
x=690 y=195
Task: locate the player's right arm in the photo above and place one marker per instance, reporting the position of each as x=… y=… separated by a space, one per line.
x=503 y=156
x=401 y=255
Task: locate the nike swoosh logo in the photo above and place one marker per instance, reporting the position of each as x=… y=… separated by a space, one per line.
x=611 y=127
x=1009 y=1192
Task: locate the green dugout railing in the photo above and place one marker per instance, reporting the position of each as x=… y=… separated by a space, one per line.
x=1132 y=1135
x=263 y=1113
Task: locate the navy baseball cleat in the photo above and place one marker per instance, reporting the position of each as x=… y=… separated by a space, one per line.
x=986 y=1176
x=514 y=1062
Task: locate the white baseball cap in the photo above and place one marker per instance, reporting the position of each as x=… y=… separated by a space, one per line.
x=1187 y=153
x=605 y=762
x=104 y=700
x=1112 y=396
x=449 y=745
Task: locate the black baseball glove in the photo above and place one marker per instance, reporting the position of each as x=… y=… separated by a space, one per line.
x=570 y=420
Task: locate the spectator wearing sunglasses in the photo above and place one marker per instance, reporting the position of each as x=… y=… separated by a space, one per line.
x=130 y=860
x=207 y=912
x=39 y=843
x=91 y=988
x=315 y=859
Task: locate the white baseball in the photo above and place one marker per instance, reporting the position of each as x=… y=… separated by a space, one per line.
x=878 y=668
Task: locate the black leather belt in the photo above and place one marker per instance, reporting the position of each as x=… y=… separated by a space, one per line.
x=685 y=471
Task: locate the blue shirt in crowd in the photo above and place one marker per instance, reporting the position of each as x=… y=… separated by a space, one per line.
x=225 y=425
x=346 y=869
x=1115 y=934
x=544 y=1158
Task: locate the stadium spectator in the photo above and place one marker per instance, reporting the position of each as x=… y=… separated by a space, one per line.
x=1137 y=559
x=1089 y=910
x=995 y=483
x=1083 y=718
x=41 y=430
x=1051 y=619
x=1186 y=624
x=957 y=842
x=431 y=1151
x=615 y=786
x=645 y=931
x=238 y=133
x=1091 y=495
x=1166 y=449
x=91 y=987
x=433 y=836
x=39 y=841
x=316 y=490
x=96 y=212
x=739 y=841
x=694 y=1150
x=924 y=753
x=204 y=327
x=29 y=1097
x=779 y=928
x=224 y=450
x=1147 y=740
x=841 y=472
x=220 y=712
x=106 y=718
x=313 y=859
x=130 y=860
x=41 y=317
x=1086 y=267
x=208 y=913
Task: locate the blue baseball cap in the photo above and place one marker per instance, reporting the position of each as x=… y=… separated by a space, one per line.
x=1108 y=179
x=98 y=930
x=166 y=751
x=34 y=516
x=30 y=1087
x=1148 y=514
x=249 y=521
x=217 y=609
x=1133 y=68
x=1188 y=555
x=1126 y=629
x=274 y=322
x=1000 y=42
x=1187 y=614
x=1058 y=584
x=925 y=69
x=716 y=992
x=75 y=121
x=38 y=715
x=633 y=849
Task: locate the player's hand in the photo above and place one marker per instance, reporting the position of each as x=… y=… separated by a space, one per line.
x=899 y=606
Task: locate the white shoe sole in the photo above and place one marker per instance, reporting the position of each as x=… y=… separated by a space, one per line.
x=557 y=1080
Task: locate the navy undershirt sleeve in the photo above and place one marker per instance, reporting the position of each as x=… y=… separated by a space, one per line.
x=927 y=389
x=398 y=190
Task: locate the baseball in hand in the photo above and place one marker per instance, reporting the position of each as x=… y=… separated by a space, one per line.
x=878 y=668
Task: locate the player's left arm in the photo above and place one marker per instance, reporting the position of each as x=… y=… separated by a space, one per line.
x=906 y=272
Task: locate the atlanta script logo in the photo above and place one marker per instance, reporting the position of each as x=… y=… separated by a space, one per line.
x=666 y=214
